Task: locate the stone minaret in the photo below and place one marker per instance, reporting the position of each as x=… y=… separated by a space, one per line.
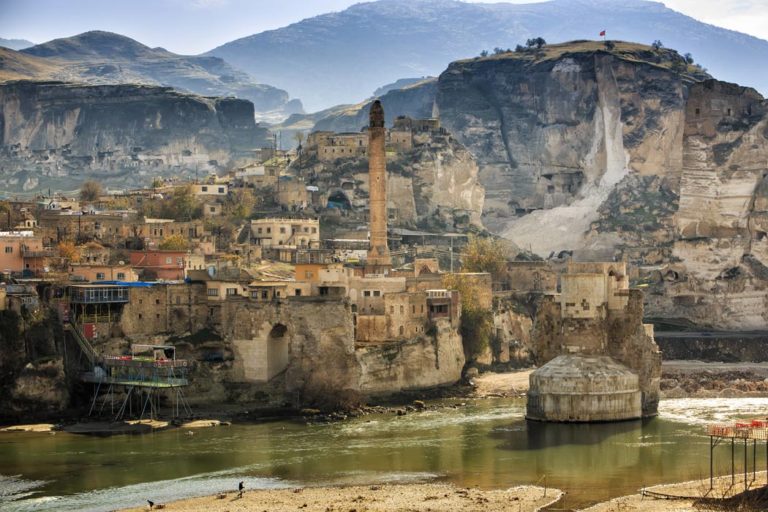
x=378 y=253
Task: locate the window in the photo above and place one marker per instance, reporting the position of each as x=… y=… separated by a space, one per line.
x=282 y=230
x=178 y=299
x=269 y=230
x=8 y=250
x=367 y=293
x=314 y=230
x=298 y=292
x=99 y=276
x=264 y=294
x=168 y=260
x=157 y=316
x=259 y=230
x=157 y=301
x=204 y=189
x=231 y=291
x=422 y=308
x=221 y=190
x=377 y=293
x=413 y=309
x=121 y=276
x=139 y=316
x=213 y=292
x=391 y=310
x=402 y=309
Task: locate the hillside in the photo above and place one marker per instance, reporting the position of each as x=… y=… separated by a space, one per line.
x=18 y=66
x=15 y=44
x=106 y=58
x=350 y=53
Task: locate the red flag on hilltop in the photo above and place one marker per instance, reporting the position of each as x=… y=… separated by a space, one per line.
x=602 y=34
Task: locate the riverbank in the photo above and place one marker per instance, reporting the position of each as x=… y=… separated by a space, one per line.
x=693 y=496
x=433 y=497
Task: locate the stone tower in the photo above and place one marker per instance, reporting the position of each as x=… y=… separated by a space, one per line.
x=379 y=259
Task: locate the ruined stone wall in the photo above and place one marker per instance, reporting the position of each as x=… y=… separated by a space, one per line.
x=417 y=363
x=620 y=335
x=165 y=308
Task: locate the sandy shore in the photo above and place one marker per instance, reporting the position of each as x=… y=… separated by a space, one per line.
x=433 y=497
x=513 y=383
x=685 y=495
x=37 y=427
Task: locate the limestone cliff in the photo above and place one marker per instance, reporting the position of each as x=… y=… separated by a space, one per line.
x=624 y=153
x=52 y=131
x=555 y=130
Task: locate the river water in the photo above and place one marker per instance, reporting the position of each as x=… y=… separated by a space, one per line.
x=486 y=443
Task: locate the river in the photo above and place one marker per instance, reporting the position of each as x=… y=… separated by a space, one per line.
x=486 y=443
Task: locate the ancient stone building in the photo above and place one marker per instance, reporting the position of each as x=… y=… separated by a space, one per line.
x=600 y=362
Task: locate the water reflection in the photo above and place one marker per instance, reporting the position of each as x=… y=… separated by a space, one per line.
x=488 y=443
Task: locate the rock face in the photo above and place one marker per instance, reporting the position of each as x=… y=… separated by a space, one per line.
x=556 y=131
x=323 y=360
x=51 y=131
x=624 y=153
x=435 y=185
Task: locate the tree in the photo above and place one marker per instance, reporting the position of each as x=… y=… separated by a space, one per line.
x=657 y=45
x=498 y=51
x=520 y=48
x=485 y=255
x=241 y=203
x=484 y=53
x=536 y=42
x=610 y=45
x=69 y=252
x=157 y=183
x=688 y=58
x=183 y=205
x=173 y=243
x=476 y=327
x=90 y=191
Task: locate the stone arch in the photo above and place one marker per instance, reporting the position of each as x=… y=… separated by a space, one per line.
x=277 y=350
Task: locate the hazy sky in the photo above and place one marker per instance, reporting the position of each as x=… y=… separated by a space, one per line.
x=194 y=26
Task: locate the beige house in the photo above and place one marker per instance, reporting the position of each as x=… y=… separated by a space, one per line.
x=285 y=232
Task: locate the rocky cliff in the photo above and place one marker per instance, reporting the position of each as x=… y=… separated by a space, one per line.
x=625 y=152
x=52 y=132
x=556 y=130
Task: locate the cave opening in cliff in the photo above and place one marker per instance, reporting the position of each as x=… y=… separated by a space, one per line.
x=339 y=200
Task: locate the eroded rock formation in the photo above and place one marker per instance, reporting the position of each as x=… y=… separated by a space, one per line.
x=128 y=133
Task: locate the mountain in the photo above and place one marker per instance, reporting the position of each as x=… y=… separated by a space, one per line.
x=106 y=58
x=15 y=44
x=340 y=57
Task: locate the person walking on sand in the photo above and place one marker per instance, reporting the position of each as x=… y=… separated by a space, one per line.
x=240 y=488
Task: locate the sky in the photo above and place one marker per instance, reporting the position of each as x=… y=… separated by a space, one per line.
x=195 y=26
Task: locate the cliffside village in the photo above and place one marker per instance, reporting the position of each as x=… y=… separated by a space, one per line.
x=367 y=310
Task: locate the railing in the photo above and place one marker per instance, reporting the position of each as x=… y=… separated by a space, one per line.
x=83 y=343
